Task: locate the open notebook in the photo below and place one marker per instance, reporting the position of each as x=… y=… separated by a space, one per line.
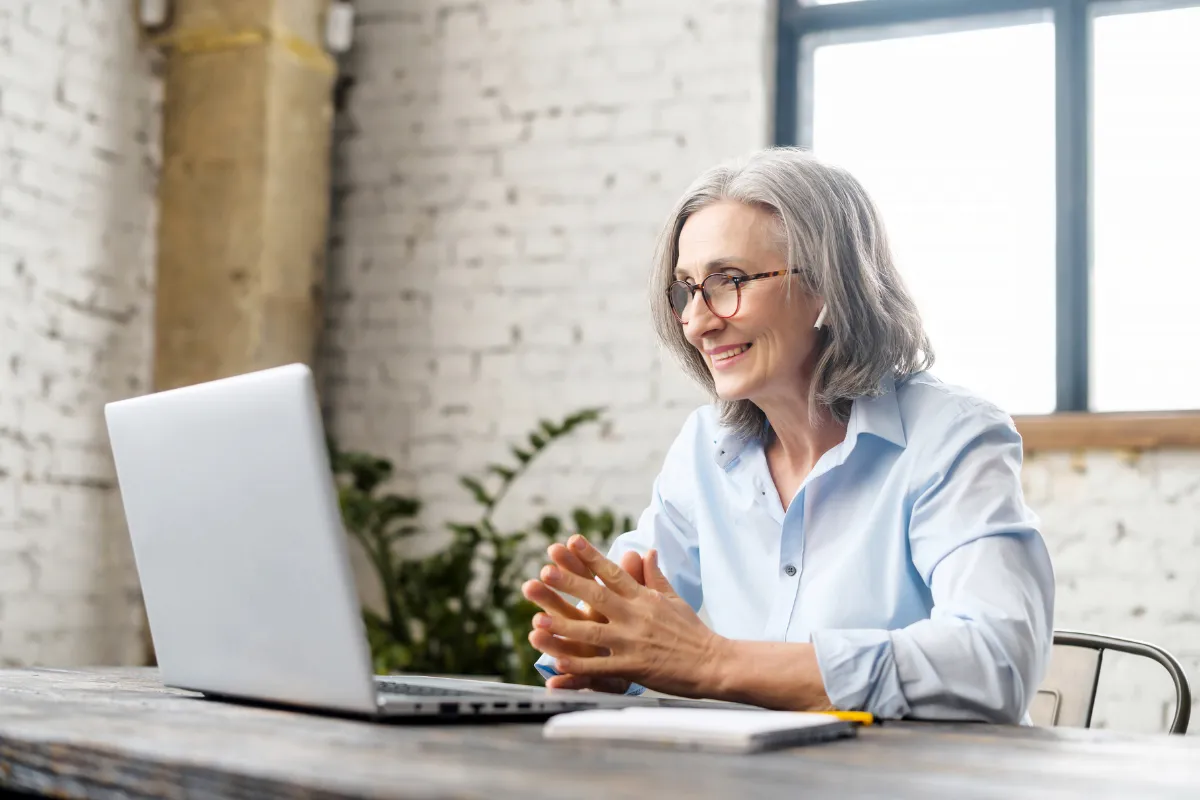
x=731 y=731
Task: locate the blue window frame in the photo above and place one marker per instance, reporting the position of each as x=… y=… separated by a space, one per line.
x=1073 y=31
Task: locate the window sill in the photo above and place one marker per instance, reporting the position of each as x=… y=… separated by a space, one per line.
x=1109 y=431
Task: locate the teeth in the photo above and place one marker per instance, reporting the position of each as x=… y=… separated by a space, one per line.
x=731 y=353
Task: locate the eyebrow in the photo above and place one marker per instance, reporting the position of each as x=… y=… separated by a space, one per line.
x=716 y=265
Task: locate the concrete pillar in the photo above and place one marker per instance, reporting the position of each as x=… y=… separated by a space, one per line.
x=243 y=196
x=244 y=188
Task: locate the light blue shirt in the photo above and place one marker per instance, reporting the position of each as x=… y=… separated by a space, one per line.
x=907 y=557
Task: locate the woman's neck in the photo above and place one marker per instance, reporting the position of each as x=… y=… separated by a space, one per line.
x=797 y=442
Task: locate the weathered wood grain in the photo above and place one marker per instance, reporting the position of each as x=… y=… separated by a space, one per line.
x=118 y=733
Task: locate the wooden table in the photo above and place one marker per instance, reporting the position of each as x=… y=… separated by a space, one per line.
x=117 y=732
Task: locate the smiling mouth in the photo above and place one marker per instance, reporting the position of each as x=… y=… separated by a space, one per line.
x=725 y=355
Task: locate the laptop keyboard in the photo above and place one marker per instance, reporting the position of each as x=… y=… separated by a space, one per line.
x=393 y=687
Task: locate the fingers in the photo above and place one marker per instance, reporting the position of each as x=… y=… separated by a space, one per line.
x=550 y=601
x=593 y=633
x=655 y=579
x=632 y=563
x=588 y=682
x=600 y=599
x=613 y=576
x=562 y=556
x=593 y=667
x=553 y=646
x=570 y=562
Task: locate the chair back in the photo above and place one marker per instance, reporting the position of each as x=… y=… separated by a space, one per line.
x=1068 y=692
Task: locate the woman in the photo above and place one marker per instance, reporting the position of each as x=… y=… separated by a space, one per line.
x=854 y=527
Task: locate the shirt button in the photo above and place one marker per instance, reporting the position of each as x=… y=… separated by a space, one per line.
x=790 y=570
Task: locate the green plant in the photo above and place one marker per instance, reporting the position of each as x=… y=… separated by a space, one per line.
x=458 y=610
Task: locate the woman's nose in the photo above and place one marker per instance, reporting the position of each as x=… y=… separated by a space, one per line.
x=699 y=320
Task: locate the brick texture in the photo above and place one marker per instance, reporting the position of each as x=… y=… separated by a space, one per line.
x=1124 y=533
x=78 y=139
x=501 y=170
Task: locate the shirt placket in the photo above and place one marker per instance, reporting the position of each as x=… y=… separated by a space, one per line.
x=790 y=568
x=791 y=546
x=791 y=543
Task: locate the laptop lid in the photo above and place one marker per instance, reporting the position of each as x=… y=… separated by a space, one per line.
x=238 y=540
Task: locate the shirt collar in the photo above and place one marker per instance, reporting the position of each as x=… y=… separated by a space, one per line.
x=878 y=416
x=727 y=447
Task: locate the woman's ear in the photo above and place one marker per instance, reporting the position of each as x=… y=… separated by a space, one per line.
x=820 y=318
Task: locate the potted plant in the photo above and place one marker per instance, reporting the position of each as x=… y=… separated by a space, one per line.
x=460 y=610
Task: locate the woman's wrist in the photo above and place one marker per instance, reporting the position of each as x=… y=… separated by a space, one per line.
x=723 y=665
x=780 y=675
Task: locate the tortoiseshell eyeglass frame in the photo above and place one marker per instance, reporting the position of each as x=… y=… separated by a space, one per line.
x=736 y=280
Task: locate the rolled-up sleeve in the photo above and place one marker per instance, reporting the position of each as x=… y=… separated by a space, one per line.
x=983 y=652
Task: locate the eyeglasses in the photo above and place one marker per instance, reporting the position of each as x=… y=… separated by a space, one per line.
x=722 y=293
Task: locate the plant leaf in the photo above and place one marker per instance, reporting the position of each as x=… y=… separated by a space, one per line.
x=550 y=525
x=403 y=532
x=583 y=521
x=504 y=472
x=393 y=505
x=476 y=489
x=460 y=608
x=470 y=532
x=580 y=417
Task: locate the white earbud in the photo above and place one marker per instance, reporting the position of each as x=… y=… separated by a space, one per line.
x=820 y=318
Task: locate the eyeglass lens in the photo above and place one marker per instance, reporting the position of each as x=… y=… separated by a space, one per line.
x=720 y=293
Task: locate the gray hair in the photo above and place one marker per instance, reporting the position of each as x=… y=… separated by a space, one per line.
x=832 y=232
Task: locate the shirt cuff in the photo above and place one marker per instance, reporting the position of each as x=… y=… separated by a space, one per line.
x=545 y=667
x=858 y=669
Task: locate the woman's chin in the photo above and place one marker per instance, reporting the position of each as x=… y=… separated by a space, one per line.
x=731 y=391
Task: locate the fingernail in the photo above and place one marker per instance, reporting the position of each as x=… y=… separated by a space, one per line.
x=578 y=543
x=541 y=620
x=550 y=573
x=562 y=665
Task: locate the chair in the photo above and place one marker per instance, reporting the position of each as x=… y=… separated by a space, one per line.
x=1068 y=694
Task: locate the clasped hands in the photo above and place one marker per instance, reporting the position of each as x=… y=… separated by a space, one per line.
x=633 y=628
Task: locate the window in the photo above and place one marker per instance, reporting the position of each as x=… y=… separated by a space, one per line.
x=1146 y=174
x=966 y=158
x=1035 y=164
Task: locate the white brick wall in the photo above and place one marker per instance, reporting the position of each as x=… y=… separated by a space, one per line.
x=1124 y=532
x=78 y=159
x=502 y=170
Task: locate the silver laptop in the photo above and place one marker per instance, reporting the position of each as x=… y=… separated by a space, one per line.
x=243 y=560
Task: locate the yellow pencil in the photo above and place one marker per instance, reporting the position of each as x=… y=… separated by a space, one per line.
x=862 y=717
